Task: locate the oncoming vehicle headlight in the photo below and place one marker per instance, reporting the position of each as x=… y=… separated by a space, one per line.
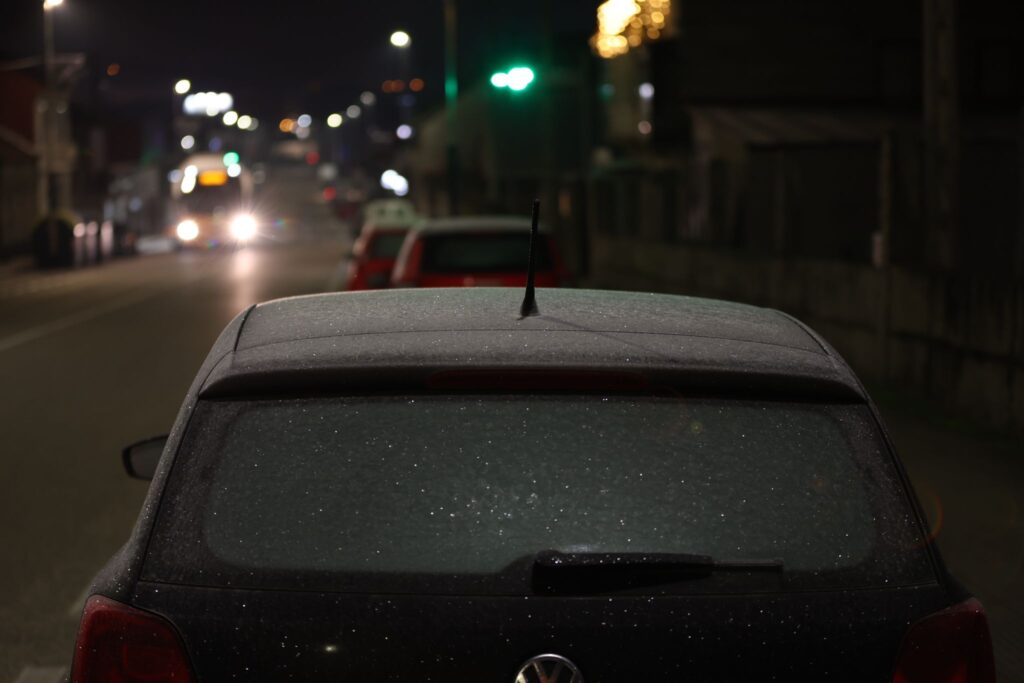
x=243 y=227
x=188 y=230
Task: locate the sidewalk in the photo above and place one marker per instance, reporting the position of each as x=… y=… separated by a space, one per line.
x=15 y=265
x=971 y=484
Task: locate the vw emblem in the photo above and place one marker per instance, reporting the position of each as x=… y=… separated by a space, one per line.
x=549 y=669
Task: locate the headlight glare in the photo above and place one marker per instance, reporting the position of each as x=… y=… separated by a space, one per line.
x=243 y=227
x=187 y=230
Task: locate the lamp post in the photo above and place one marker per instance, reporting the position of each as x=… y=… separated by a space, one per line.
x=402 y=42
x=47 y=189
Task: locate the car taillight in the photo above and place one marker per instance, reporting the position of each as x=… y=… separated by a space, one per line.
x=951 y=646
x=120 y=644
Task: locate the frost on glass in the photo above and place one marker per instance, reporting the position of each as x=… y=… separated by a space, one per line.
x=470 y=485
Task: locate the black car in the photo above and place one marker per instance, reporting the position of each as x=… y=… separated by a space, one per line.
x=422 y=485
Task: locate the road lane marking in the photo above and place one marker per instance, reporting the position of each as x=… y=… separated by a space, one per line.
x=41 y=674
x=40 y=331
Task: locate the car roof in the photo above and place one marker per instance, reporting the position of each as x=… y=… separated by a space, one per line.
x=384 y=227
x=404 y=337
x=475 y=224
x=390 y=211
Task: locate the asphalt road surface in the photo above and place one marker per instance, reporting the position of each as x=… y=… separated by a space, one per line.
x=94 y=359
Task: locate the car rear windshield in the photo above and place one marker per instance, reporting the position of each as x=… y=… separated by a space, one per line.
x=386 y=245
x=483 y=252
x=458 y=493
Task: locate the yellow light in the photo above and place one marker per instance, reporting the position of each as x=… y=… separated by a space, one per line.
x=50 y=4
x=626 y=24
x=335 y=120
x=183 y=86
x=213 y=178
x=286 y=125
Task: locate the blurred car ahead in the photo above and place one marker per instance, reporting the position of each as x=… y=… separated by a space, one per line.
x=421 y=485
x=475 y=251
x=389 y=213
x=373 y=257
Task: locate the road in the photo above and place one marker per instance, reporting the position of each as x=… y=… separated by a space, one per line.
x=94 y=359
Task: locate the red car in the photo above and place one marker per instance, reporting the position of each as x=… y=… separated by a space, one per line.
x=475 y=251
x=373 y=256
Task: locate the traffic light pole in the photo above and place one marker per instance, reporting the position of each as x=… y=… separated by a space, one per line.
x=451 y=102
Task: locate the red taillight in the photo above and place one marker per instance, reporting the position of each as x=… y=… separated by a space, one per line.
x=951 y=646
x=120 y=644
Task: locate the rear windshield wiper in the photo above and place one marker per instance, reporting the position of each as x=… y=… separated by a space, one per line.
x=586 y=572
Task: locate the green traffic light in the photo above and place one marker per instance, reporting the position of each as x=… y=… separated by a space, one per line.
x=516 y=79
x=520 y=78
x=231 y=158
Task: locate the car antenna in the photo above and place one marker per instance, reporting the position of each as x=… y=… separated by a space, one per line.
x=529 y=306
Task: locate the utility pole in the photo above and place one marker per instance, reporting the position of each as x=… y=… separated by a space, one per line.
x=46 y=159
x=49 y=120
x=451 y=102
x=941 y=133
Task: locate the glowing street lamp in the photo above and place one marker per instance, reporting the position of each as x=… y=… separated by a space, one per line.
x=182 y=86
x=401 y=39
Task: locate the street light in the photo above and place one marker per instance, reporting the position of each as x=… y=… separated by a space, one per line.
x=335 y=120
x=182 y=86
x=46 y=167
x=401 y=39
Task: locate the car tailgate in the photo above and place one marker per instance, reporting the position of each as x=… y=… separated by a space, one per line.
x=236 y=634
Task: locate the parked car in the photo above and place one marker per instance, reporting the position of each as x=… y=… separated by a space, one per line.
x=475 y=251
x=373 y=257
x=389 y=213
x=423 y=485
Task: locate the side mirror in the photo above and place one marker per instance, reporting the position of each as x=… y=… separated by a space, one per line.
x=141 y=458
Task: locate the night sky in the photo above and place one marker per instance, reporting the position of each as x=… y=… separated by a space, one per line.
x=279 y=57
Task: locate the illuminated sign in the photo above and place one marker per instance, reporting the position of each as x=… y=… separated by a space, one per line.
x=208 y=103
x=626 y=24
x=213 y=177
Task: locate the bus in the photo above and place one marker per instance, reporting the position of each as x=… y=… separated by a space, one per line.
x=211 y=202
